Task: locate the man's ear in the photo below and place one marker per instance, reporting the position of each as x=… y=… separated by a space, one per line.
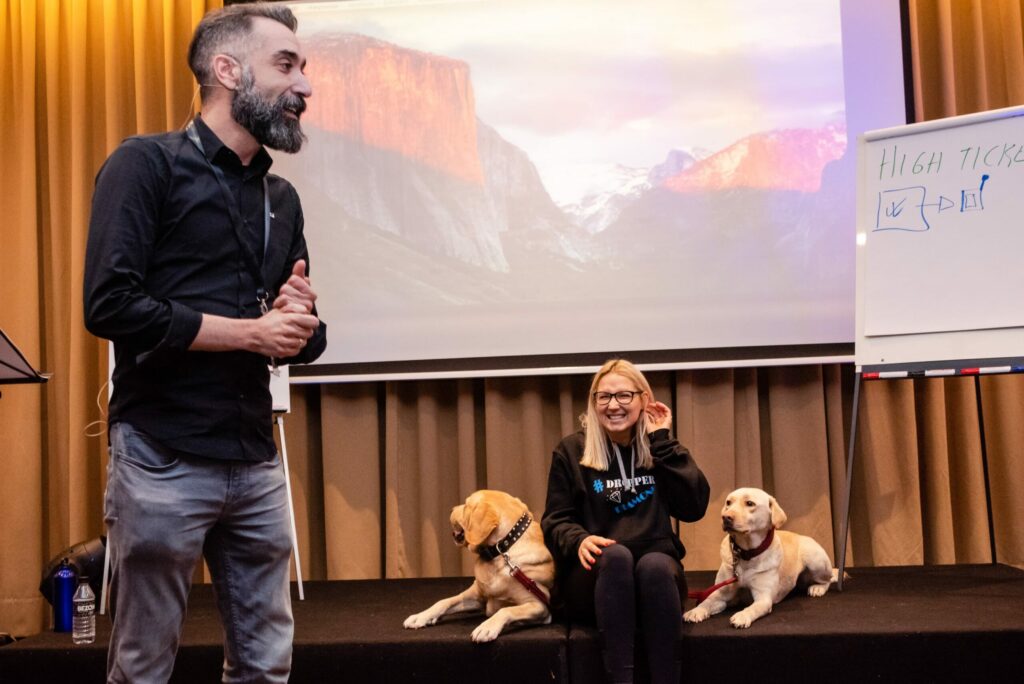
x=227 y=71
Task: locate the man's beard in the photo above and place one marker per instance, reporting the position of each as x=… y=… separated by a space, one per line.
x=266 y=120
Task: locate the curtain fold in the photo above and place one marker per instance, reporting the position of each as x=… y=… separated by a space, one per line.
x=377 y=466
x=968 y=56
x=1004 y=437
x=428 y=454
x=352 y=512
x=23 y=536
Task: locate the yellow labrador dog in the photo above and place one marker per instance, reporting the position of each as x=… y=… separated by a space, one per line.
x=767 y=562
x=514 y=571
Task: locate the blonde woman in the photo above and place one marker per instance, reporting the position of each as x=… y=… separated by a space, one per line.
x=611 y=491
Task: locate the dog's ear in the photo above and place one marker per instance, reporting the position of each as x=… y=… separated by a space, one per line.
x=481 y=519
x=778 y=515
x=456 y=517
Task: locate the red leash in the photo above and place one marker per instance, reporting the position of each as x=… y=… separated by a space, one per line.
x=702 y=595
x=531 y=585
x=737 y=552
x=522 y=578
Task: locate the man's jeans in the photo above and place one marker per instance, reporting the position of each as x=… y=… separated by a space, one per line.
x=163 y=510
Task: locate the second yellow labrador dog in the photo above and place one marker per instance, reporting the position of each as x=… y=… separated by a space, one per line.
x=514 y=571
x=766 y=561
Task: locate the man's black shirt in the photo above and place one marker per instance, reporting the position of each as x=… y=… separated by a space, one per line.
x=162 y=251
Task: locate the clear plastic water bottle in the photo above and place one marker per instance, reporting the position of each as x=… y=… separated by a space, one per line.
x=84 y=621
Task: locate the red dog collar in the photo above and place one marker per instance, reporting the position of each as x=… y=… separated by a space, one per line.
x=747 y=554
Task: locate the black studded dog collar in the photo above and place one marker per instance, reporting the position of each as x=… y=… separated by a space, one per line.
x=502 y=547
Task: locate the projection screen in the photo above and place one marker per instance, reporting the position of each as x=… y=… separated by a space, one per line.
x=495 y=188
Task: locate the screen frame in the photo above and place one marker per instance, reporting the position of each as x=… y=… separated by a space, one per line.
x=852 y=12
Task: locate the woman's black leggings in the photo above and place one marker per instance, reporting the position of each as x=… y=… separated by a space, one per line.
x=620 y=594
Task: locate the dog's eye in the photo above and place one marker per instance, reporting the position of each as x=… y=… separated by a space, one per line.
x=750 y=504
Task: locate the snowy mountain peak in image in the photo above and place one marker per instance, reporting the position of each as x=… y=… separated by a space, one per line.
x=675 y=163
x=609 y=188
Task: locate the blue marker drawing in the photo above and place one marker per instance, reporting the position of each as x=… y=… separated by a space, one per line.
x=895 y=209
x=971 y=200
x=943 y=204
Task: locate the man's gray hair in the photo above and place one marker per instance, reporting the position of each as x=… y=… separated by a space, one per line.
x=230 y=26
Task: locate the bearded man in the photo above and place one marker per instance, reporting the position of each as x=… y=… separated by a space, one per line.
x=196 y=269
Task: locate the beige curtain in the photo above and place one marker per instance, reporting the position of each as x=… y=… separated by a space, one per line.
x=76 y=77
x=968 y=56
x=377 y=466
x=396 y=456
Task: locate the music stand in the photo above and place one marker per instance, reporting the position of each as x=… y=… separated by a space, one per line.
x=14 y=369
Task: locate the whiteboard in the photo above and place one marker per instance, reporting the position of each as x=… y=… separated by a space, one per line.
x=939 y=240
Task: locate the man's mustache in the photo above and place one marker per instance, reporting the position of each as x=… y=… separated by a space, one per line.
x=295 y=103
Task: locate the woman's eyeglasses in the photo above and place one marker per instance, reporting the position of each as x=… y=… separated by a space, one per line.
x=624 y=398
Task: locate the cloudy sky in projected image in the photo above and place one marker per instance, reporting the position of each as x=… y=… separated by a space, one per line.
x=579 y=84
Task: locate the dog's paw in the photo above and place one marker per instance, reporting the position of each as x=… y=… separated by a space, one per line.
x=741 y=620
x=817 y=590
x=419 y=620
x=698 y=614
x=485 y=631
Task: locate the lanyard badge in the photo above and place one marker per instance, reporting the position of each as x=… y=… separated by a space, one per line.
x=236 y=217
x=262 y=296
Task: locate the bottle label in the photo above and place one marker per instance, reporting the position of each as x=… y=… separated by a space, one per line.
x=85 y=609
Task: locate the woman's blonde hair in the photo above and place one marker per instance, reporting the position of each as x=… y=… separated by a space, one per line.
x=595 y=446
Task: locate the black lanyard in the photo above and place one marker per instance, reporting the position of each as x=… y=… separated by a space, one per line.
x=236 y=218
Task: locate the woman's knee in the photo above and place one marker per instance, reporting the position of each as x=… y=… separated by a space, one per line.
x=615 y=558
x=658 y=568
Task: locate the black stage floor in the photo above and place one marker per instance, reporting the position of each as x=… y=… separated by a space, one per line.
x=909 y=624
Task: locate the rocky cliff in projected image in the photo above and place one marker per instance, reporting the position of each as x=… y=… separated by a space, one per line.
x=416 y=204
x=402 y=163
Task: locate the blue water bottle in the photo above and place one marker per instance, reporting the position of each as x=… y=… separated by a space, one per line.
x=64 y=585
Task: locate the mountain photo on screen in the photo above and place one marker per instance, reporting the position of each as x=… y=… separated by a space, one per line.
x=487 y=178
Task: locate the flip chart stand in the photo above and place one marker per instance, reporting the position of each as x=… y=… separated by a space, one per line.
x=972 y=368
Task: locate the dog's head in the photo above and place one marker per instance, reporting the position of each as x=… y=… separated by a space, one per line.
x=749 y=510
x=485 y=518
